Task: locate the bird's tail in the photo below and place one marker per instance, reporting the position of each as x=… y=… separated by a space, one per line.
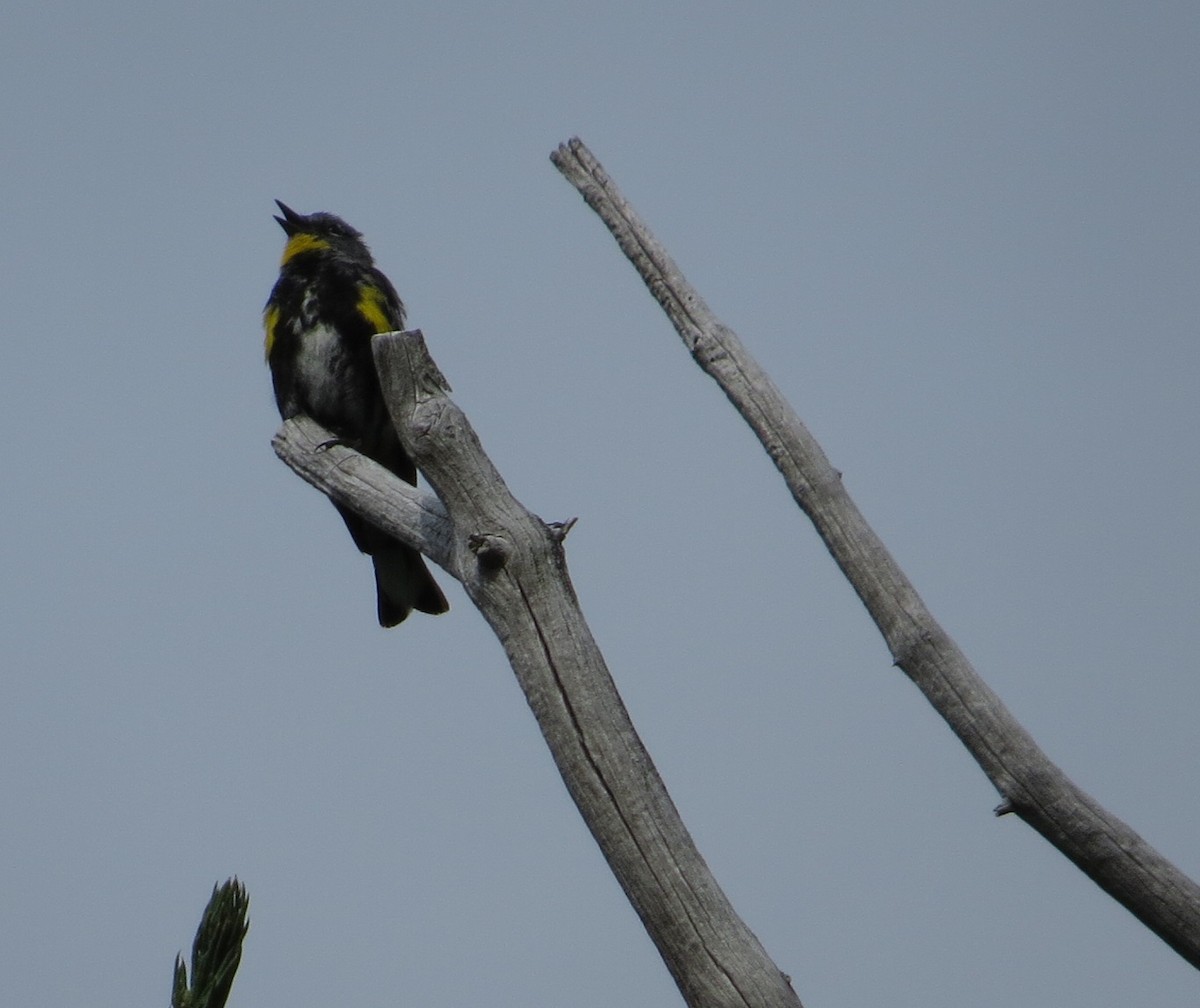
x=403 y=583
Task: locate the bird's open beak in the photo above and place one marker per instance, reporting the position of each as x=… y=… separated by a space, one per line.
x=291 y=221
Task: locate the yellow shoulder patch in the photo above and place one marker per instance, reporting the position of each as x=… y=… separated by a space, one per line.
x=270 y=323
x=372 y=305
x=301 y=243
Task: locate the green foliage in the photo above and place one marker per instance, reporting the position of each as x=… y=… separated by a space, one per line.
x=216 y=952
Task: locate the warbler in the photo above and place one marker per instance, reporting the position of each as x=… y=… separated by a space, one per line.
x=328 y=302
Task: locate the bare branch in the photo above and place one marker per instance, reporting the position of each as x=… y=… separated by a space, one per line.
x=414 y=516
x=513 y=568
x=1104 y=847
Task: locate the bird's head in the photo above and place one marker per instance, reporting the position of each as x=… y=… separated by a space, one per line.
x=320 y=232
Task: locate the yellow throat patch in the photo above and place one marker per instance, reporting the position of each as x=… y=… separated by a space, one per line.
x=301 y=243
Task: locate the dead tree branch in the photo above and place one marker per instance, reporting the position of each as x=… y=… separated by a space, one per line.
x=1032 y=786
x=512 y=566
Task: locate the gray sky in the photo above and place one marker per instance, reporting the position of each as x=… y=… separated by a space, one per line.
x=962 y=238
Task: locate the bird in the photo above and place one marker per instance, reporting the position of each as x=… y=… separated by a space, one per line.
x=329 y=300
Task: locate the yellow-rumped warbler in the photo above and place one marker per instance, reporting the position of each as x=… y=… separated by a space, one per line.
x=326 y=305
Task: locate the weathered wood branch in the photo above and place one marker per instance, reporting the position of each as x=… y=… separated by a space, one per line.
x=1032 y=787
x=412 y=515
x=512 y=566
